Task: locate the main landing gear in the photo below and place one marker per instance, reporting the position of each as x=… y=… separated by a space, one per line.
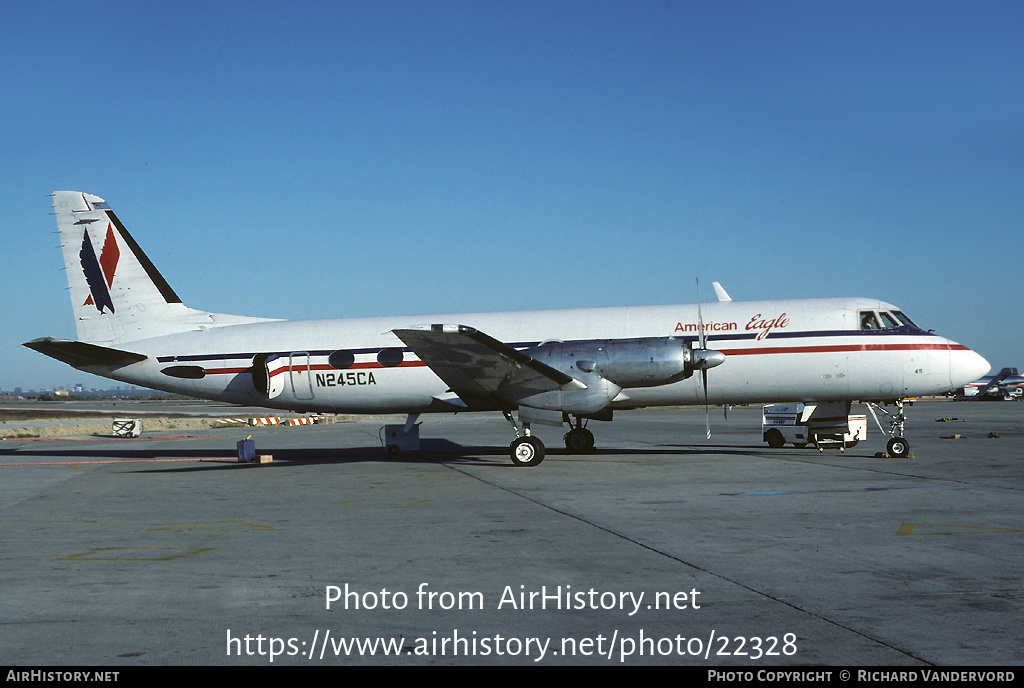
x=525 y=450
x=579 y=440
x=897 y=445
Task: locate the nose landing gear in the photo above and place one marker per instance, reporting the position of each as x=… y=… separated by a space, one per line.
x=897 y=445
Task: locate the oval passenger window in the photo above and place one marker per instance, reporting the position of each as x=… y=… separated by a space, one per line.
x=341 y=359
x=390 y=358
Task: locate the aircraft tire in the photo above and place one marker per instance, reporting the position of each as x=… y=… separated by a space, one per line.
x=527 y=451
x=775 y=439
x=897 y=447
x=579 y=441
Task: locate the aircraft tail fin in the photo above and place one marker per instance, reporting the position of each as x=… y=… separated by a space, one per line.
x=117 y=294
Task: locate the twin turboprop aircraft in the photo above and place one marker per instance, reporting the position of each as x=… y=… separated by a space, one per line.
x=552 y=367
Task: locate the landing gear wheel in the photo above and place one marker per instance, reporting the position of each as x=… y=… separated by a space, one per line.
x=897 y=447
x=527 y=451
x=775 y=439
x=579 y=440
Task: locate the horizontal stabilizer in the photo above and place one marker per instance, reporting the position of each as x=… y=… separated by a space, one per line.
x=481 y=369
x=81 y=355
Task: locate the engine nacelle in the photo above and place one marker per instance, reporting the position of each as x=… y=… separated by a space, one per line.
x=642 y=362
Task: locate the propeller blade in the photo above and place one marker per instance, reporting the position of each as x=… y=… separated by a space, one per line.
x=700 y=320
x=707 y=416
x=703 y=361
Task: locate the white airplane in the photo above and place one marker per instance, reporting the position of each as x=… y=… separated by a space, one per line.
x=551 y=367
x=1005 y=384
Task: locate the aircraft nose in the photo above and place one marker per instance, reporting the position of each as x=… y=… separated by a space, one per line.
x=966 y=366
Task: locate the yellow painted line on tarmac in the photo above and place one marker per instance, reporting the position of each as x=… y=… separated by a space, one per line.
x=945 y=529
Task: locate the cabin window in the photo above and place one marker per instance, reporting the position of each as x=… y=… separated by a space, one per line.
x=390 y=357
x=341 y=359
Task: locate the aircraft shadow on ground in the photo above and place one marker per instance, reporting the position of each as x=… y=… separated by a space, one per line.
x=432 y=451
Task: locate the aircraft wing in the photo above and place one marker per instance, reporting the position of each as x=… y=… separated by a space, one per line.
x=481 y=370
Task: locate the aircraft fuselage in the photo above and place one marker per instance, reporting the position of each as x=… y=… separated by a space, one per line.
x=785 y=350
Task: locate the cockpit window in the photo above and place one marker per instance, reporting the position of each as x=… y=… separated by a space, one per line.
x=905 y=320
x=884 y=320
x=869 y=321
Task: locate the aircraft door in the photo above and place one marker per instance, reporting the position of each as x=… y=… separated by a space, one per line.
x=268 y=374
x=275 y=374
x=301 y=376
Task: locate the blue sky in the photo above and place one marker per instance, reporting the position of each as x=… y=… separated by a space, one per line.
x=332 y=159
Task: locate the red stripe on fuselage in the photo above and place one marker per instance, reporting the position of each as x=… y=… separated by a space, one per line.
x=226 y=371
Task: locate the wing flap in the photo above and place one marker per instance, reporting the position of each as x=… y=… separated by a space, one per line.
x=480 y=369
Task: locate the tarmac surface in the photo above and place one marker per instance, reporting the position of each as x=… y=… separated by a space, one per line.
x=660 y=547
